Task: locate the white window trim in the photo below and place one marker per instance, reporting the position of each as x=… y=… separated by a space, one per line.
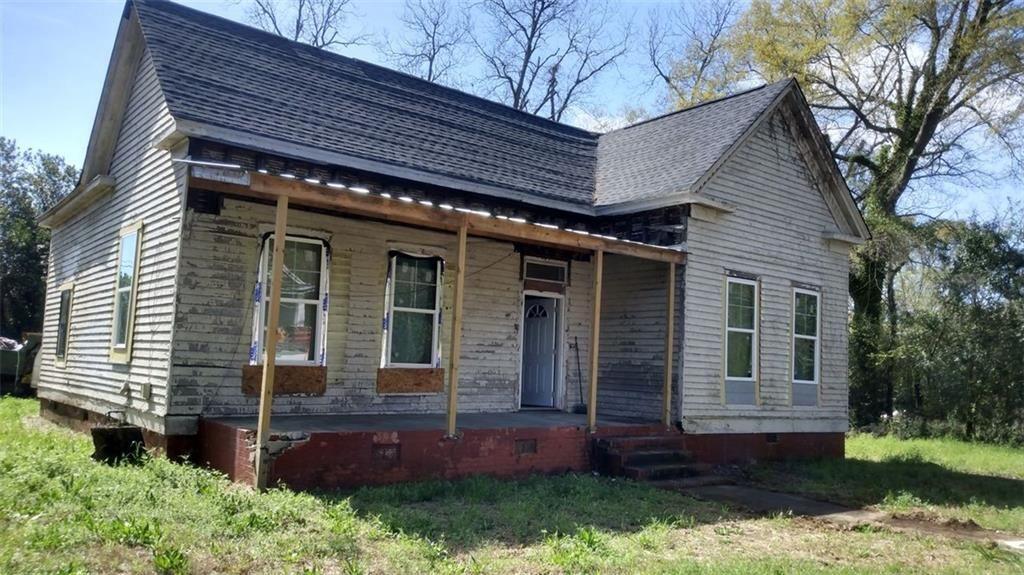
x=60 y=359
x=816 y=338
x=260 y=320
x=436 y=313
x=754 y=356
x=546 y=262
x=122 y=352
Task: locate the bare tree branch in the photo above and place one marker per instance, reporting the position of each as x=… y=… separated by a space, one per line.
x=435 y=36
x=319 y=23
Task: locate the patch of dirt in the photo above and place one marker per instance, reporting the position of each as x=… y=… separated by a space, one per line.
x=950 y=523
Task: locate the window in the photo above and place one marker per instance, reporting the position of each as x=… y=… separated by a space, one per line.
x=741 y=329
x=545 y=271
x=805 y=336
x=414 y=311
x=124 y=292
x=64 y=321
x=303 y=298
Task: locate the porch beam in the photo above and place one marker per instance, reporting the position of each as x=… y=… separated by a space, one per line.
x=670 y=310
x=267 y=187
x=595 y=339
x=456 y=341
x=270 y=355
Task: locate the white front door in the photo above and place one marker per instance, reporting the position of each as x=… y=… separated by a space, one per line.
x=540 y=325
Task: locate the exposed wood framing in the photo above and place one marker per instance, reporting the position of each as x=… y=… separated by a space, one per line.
x=595 y=339
x=456 y=341
x=268 y=187
x=670 y=315
x=269 y=358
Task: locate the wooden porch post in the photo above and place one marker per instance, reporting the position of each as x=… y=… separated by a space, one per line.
x=669 y=340
x=269 y=357
x=595 y=339
x=456 y=345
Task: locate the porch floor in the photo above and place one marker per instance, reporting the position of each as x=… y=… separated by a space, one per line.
x=526 y=419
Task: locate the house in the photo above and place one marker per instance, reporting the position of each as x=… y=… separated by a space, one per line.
x=463 y=288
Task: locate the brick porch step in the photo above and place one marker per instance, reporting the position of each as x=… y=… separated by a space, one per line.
x=641 y=442
x=658 y=471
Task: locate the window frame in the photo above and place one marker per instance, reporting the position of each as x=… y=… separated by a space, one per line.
x=755 y=332
x=122 y=352
x=817 y=337
x=61 y=355
x=436 y=313
x=260 y=324
x=546 y=262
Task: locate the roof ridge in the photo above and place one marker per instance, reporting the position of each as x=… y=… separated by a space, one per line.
x=699 y=105
x=320 y=52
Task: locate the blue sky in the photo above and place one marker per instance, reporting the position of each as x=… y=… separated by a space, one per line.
x=54 y=54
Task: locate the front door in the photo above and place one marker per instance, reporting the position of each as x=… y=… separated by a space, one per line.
x=540 y=354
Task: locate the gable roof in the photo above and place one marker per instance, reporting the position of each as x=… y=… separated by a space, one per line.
x=667 y=156
x=233 y=84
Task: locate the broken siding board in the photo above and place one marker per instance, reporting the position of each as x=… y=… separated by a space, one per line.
x=83 y=249
x=781 y=214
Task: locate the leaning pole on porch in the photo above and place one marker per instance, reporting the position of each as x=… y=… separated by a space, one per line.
x=666 y=412
x=595 y=339
x=456 y=345
x=270 y=355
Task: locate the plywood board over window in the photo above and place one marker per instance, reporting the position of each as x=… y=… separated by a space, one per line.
x=126 y=283
x=64 y=322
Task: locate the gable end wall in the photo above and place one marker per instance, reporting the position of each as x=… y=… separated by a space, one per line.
x=776 y=234
x=83 y=250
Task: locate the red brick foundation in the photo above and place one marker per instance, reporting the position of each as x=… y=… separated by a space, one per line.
x=351 y=459
x=174 y=446
x=724 y=448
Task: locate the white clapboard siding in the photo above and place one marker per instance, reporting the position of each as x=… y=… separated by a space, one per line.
x=84 y=248
x=213 y=325
x=775 y=233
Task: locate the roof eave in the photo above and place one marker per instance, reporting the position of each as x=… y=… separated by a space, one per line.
x=194 y=129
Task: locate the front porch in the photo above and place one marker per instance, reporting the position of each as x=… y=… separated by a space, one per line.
x=346 y=451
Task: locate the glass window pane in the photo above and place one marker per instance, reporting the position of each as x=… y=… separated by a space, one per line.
x=740 y=354
x=415 y=283
x=126 y=266
x=741 y=305
x=806 y=319
x=301 y=272
x=62 y=322
x=297 y=330
x=412 y=336
x=122 y=313
x=803 y=359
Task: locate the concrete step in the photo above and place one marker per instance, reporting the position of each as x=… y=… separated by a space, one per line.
x=654 y=471
x=691 y=482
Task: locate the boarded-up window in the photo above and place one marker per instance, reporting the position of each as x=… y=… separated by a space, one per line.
x=64 y=322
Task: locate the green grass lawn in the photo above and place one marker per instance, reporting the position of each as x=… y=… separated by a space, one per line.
x=939 y=478
x=61 y=512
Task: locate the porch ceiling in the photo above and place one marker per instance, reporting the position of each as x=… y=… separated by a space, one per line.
x=364 y=203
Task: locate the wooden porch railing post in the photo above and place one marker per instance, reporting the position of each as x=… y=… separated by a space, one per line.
x=456 y=345
x=595 y=339
x=669 y=341
x=270 y=345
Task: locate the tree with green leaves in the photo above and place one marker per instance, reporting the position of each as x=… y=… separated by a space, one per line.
x=914 y=95
x=30 y=183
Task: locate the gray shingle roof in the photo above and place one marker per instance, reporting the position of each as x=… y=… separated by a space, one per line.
x=669 y=154
x=221 y=74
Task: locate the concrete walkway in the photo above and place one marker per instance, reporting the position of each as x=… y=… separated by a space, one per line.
x=762 y=501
